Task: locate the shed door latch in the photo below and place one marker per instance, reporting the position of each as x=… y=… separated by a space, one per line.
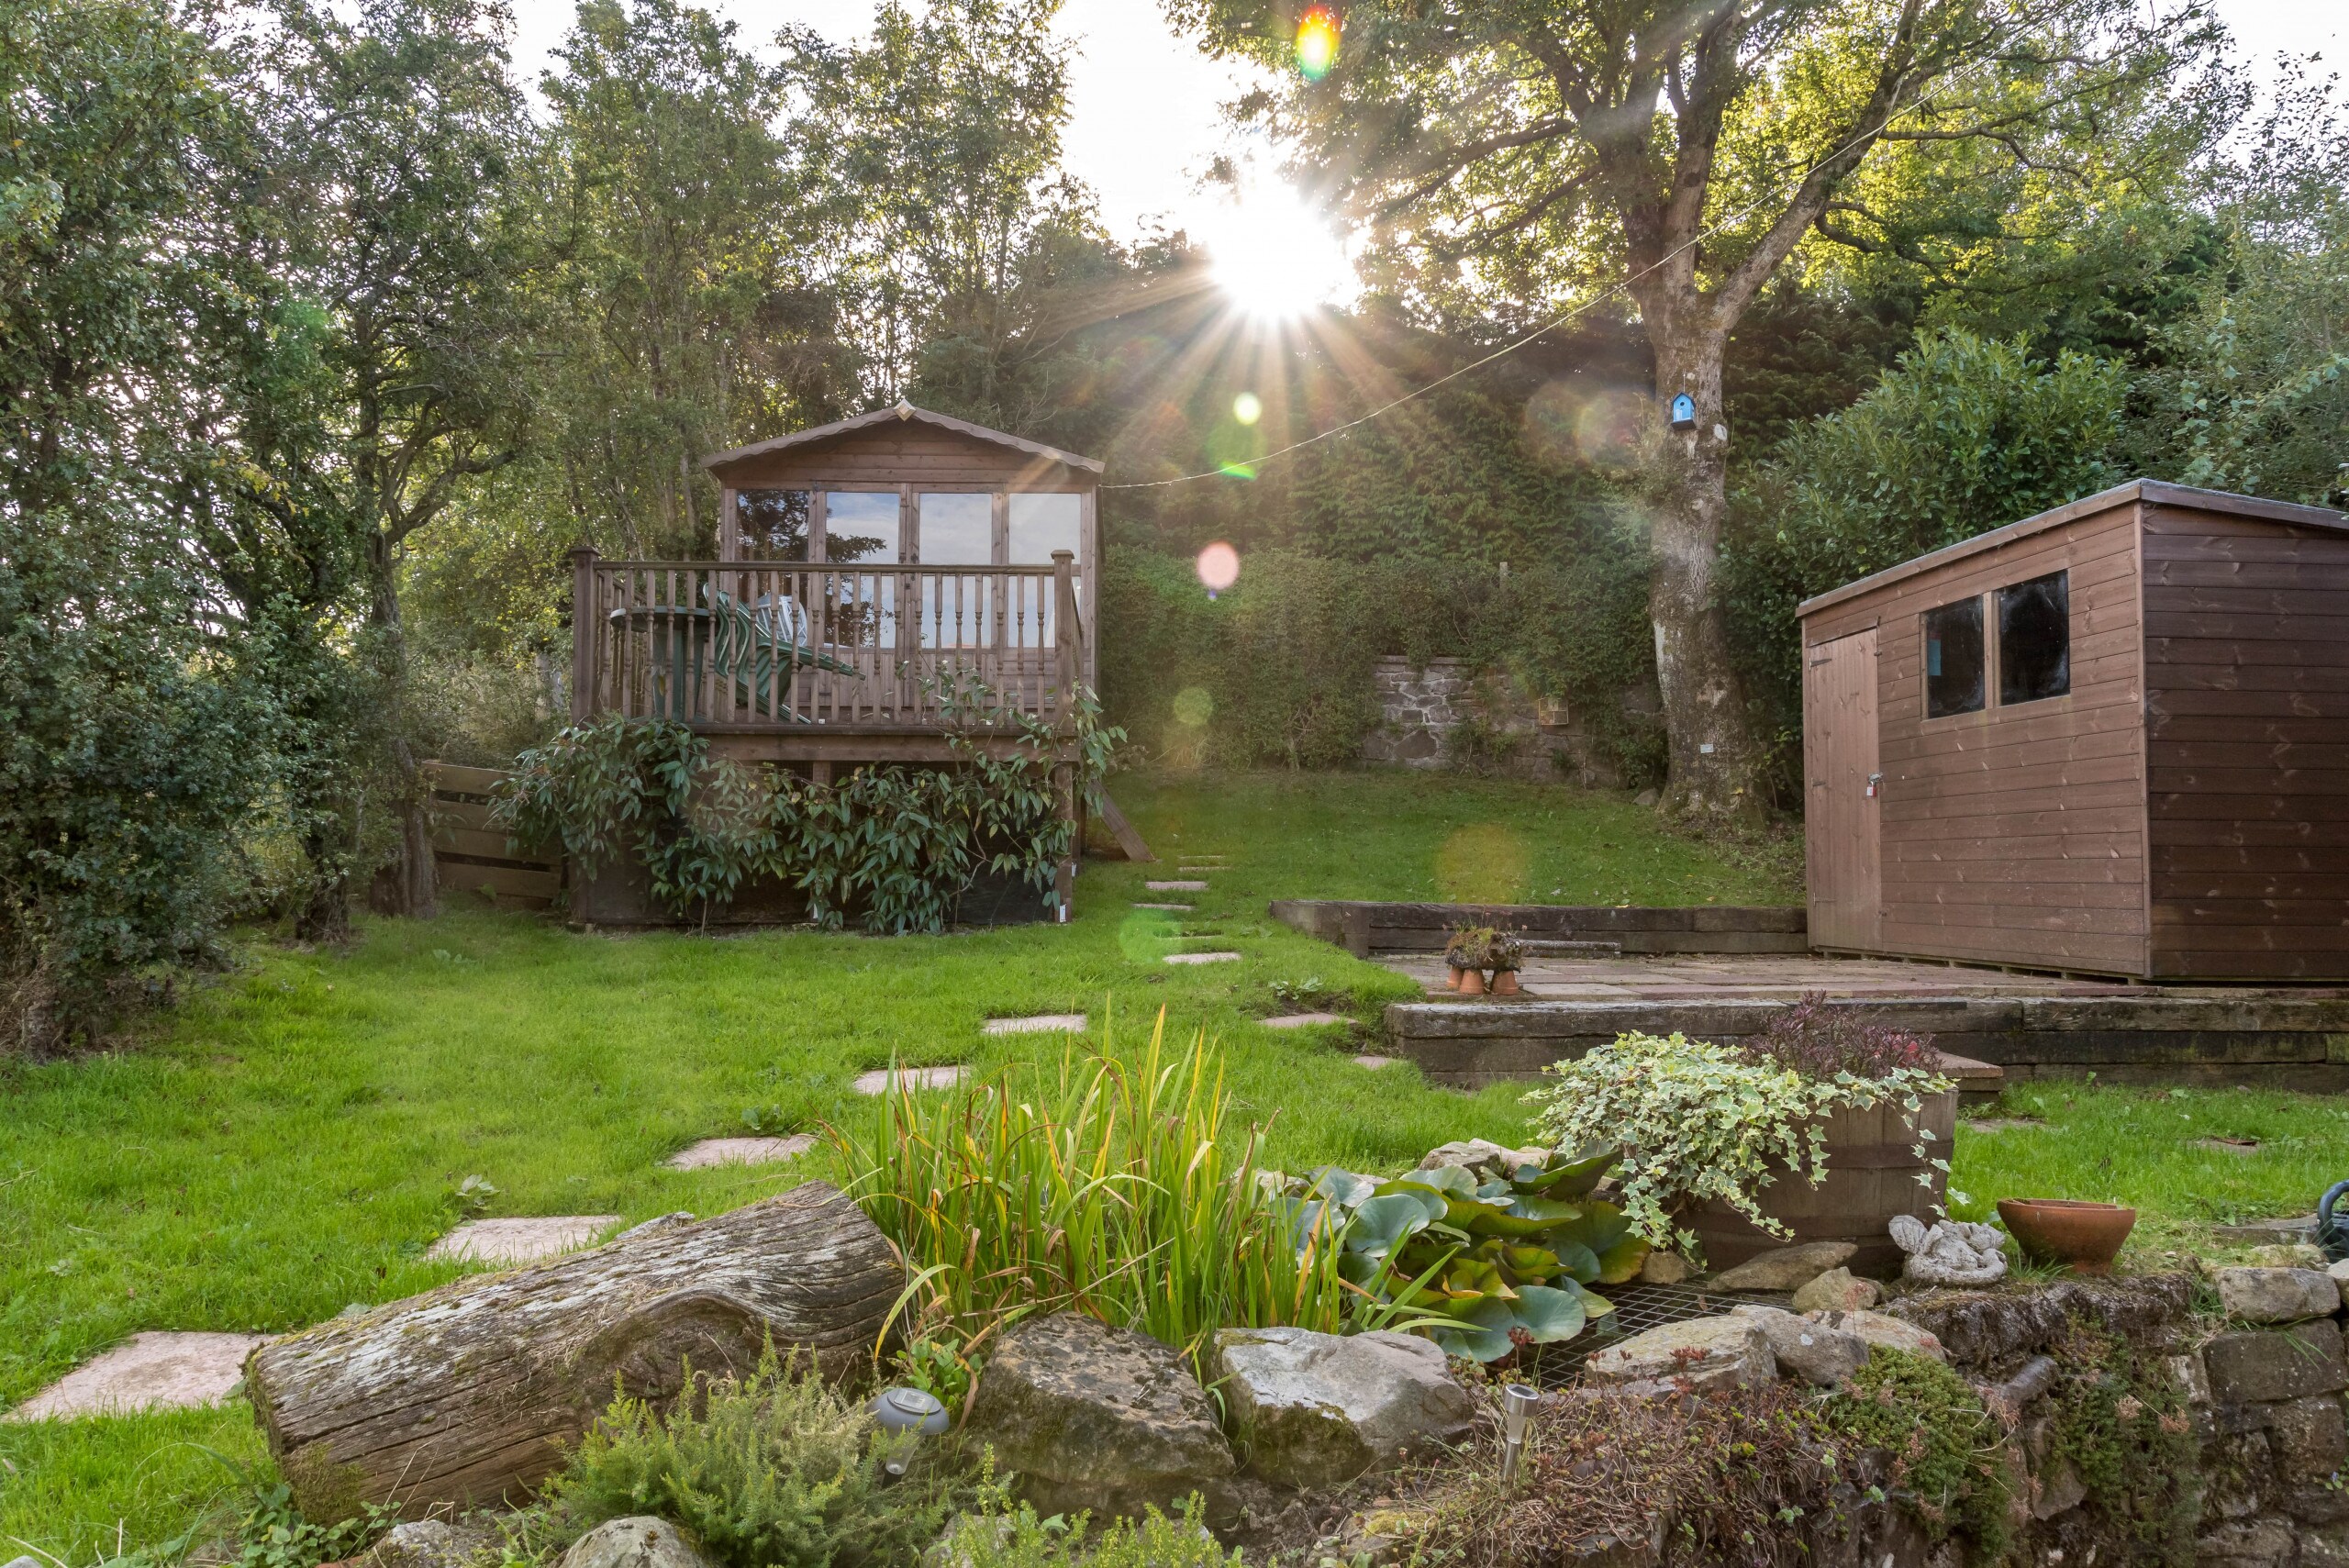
x=1874 y=780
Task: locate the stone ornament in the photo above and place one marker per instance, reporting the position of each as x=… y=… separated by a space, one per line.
x=1953 y=1252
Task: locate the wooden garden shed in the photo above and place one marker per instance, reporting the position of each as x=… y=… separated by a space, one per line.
x=2112 y=739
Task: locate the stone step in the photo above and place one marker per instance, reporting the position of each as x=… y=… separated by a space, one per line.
x=713 y=1151
x=1564 y=948
x=523 y=1240
x=1202 y=957
x=1042 y=1023
x=158 y=1370
x=878 y=1081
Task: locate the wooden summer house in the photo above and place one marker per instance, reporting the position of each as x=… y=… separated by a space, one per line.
x=859 y=564
x=2112 y=738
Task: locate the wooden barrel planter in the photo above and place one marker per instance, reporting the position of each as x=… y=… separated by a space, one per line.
x=1872 y=1171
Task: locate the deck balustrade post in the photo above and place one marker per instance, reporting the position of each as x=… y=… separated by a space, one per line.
x=583 y=633
x=1066 y=633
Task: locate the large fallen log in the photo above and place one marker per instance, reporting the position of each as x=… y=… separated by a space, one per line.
x=464 y=1395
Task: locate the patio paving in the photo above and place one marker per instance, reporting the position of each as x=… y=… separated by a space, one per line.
x=877 y=1082
x=1304 y=1020
x=1202 y=958
x=1188 y=886
x=1042 y=1023
x=154 y=1371
x=711 y=1152
x=521 y=1240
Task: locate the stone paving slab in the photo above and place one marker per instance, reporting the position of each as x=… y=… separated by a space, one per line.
x=1376 y=1062
x=1042 y=1023
x=712 y=1152
x=1180 y=908
x=521 y=1240
x=1175 y=886
x=154 y=1371
x=1202 y=958
x=1303 y=1021
x=877 y=1080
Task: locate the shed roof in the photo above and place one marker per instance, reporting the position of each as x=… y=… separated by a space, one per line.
x=906 y=412
x=2153 y=490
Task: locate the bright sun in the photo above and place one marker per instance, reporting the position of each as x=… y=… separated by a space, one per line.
x=1274 y=256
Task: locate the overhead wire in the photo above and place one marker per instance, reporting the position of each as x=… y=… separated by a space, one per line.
x=1621 y=286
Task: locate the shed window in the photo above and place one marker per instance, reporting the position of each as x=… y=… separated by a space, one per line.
x=1043 y=523
x=1953 y=659
x=861 y=525
x=2035 y=639
x=774 y=523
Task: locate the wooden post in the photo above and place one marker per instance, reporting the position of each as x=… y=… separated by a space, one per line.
x=583 y=634
x=1066 y=637
x=1066 y=633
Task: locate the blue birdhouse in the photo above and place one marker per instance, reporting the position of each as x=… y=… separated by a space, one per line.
x=1684 y=413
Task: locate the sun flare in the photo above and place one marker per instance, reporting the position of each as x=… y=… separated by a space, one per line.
x=1274 y=256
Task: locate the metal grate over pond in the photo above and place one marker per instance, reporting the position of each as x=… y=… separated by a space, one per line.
x=1638 y=1308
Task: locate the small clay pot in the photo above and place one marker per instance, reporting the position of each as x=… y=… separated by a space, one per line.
x=2087 y=1236
x=1505 y=983
x=1455 y=972
x=1471 y=982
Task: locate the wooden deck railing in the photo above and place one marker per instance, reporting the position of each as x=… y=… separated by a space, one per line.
x=757 y=646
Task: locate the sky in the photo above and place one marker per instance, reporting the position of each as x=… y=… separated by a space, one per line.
x=1145 y=106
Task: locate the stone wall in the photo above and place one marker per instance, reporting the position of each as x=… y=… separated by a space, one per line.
x=2265 y=1402
x=1516 y=734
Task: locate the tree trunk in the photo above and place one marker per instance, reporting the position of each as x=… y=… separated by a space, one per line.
x=464 y=1396
x=1716 y=761
x=412 y=888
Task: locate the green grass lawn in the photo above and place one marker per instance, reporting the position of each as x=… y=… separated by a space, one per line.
x=290 y=1142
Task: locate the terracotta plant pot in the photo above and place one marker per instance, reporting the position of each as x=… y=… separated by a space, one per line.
x=2087 y=1236
x=1471 y=982
x=1505 y=983
x=1455 y=972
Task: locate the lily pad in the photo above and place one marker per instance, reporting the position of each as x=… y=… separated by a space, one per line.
x=1548 y=1314
x=1481 y=1335
x=1576 y=1174
x=1382 y=1223
x=1341 y=1187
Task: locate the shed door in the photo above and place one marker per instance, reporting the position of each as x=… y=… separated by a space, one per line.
x=1838 y=748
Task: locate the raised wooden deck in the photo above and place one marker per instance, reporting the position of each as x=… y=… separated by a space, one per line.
x=822 y=663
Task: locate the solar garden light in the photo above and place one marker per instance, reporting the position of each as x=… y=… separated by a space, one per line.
x=907 y=1410
x=1518 y=1401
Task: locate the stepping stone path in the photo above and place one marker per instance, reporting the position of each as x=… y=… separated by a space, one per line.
x=1202 y=958
x=1042 y=1023
x=154 y=1372
x=877 y=1082
x=712 y=1152
x=1376 y=1062
x=1175 y=886
x=1184 y=908
x=1302 y=1021
x=527 y=1240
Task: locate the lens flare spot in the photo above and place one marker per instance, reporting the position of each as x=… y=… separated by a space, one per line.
x=1247 y=408
x=1194 y=706
x=1218 y=567
x=1570 y=424
x=1483 y=862
x=1317 y=42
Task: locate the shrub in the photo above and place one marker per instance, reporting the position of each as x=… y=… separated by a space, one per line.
x=1113 y=1189
x=1699 y=1122
x=1017 y=1538
x=1742 y=1475
x=897 y=845
x=1819 y=1041
x=776 y=1467
x=1948 y=1452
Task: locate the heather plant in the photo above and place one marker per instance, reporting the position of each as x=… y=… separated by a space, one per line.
x=1819 y=1040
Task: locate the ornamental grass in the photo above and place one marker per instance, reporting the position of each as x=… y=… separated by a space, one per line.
x=1114 y=1187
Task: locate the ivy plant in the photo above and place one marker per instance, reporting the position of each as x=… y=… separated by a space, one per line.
x=1700 y=1122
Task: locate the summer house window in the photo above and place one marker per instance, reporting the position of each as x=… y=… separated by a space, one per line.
x=774 y=524
x=2035 y=639
x=861 y=525
x=1953 y=682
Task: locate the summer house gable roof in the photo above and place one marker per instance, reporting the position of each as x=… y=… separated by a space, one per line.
x=907 y=412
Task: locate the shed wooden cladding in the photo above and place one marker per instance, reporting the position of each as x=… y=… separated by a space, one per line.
x=2181 y=812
